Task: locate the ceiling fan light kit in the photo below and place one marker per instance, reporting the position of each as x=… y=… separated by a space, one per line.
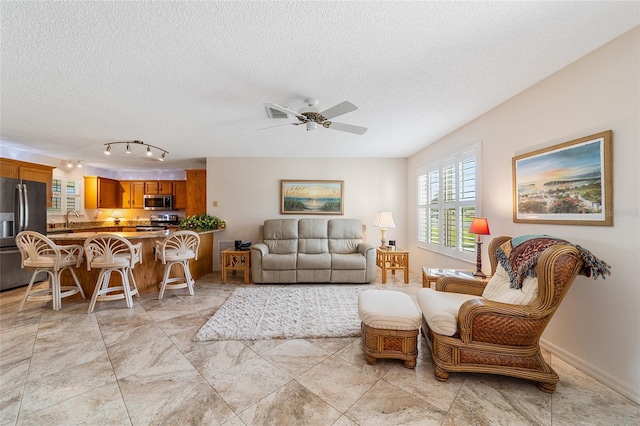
x=311 y=117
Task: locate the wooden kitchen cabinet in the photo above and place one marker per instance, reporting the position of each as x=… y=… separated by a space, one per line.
x=101 y=193
x=179 y=194
x=162 y=187
x=28 y=171
x=132 y=194
x=196 y=192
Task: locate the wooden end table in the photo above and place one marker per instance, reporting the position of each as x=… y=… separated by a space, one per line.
x=390 y=260
x=430 y=275
x=236 y=260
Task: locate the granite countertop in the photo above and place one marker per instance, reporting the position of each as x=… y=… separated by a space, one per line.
x=78 y=226
x=127 y=235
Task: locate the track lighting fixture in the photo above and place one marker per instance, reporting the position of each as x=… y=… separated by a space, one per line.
x=70 y=164
x=131 y=147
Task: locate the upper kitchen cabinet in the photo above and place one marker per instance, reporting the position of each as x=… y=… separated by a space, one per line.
x=28 y=171
x=180 y=194
x=101 y=193
x=132 y=194
x=196 y=192
x=162 y=187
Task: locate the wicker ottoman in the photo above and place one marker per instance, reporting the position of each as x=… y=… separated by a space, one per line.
x=390 y=323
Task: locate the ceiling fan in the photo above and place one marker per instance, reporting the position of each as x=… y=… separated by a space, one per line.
x=311 y=117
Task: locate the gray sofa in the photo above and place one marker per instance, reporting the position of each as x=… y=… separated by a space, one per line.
x=312 y=251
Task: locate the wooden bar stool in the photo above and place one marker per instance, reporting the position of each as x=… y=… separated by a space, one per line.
x=177 y=249
x=112 y=253
x=43 y=255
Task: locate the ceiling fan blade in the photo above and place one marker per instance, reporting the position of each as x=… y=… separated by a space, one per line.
x=347 y=128
x=279 y=125
x=341 y=108
x=285 y=110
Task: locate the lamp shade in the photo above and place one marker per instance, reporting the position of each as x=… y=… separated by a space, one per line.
x=117 y=214
x=384 y=220
x=479 y=226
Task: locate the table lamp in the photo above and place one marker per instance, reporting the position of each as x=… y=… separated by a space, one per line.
x=480 y=227
x=116 y=215
x=384 y=221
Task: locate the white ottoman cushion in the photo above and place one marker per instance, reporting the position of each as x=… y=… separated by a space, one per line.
x=388 y=310
x=440 y=309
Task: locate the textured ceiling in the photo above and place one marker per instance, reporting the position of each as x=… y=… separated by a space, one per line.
x=192 y=77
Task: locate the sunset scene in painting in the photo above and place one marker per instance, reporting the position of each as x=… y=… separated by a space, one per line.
x=312 y=197
x=565 y=181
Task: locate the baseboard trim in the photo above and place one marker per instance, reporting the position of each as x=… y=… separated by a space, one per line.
x=592 y=371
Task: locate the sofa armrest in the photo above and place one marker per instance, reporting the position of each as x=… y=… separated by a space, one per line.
x=363 y=248
x=261 y=248
x=369 y=253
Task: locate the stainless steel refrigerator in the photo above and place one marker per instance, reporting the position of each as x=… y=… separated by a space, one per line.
x=23 y=207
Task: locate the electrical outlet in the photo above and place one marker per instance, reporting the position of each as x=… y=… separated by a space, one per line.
x=215 y=204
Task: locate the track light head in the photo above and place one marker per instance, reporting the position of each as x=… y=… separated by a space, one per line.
x=162 y=156
x=108 y=150
x=128 y=151
x=149 y=153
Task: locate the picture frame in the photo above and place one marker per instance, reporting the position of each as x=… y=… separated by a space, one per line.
x=318 y=197
x=570 y=183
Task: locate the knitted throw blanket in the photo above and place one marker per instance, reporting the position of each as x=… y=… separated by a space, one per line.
x=519 y=257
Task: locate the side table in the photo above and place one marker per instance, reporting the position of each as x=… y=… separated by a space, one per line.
x=430 y=275
x=236 y=260
x=390 y=260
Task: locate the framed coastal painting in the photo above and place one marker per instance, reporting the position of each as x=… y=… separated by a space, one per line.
x=312 y=197
x=565 y=184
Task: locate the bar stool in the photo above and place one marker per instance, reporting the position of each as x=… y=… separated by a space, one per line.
x=177 y=249
x=42 y=254
x=112 y=253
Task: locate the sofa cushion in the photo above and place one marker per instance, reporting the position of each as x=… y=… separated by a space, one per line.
x=440 y=309
x=499 y=289
x=348 y=261
x=280 y=229
x=314 y=261
x=279 y=261
x=345 y=228
x=312 y=236
x=344 y=235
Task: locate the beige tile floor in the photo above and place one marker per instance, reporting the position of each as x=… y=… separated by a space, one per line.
x=140 y=366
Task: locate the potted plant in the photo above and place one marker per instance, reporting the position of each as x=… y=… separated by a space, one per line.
x=202 y=222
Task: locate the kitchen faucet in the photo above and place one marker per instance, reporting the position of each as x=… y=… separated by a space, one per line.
x=66 y=221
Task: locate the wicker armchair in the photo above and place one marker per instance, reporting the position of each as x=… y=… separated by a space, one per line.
x=501 y=338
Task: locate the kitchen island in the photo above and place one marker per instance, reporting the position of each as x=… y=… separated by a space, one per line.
x=148 y=274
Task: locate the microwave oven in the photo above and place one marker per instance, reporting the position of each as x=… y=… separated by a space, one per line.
x=158 y=202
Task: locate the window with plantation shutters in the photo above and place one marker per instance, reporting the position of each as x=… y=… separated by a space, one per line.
x=447 y=202
x=66 y=195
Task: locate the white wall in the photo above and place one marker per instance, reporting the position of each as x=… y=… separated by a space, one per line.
x=247 y=191
x=597 y=327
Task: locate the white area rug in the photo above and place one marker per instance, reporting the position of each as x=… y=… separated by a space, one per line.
x=290 y=312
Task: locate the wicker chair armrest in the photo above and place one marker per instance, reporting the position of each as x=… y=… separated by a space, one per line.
x=136 y=254
x=72 y=251
x=491 y=311
x=460 y=285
